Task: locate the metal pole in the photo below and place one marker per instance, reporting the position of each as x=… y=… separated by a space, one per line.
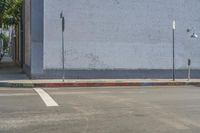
x=189 y=73
x=173 y=36
x=63 y=56
x=63 y=46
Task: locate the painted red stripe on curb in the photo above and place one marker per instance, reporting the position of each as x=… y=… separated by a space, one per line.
x=109 y=84
x=97 y=84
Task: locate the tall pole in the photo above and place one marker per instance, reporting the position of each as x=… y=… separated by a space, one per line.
x=173 y=36
x=63 y=46
x=1 y=50
x=189 y=63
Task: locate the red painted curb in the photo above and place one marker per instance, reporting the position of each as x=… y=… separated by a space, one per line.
x=104 y=84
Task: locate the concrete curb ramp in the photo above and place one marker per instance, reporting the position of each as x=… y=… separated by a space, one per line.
x=97 y=84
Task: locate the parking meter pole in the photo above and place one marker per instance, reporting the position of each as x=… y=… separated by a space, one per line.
x=189 y=73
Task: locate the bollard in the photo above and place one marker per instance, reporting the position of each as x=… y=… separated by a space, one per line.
x=189 y=73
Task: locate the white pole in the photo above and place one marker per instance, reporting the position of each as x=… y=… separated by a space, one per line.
x=173 y=48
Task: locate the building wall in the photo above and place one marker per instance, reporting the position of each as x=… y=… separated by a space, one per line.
x=27 y=29
x=114 y=38
x=33 y=34
x=37 y=37
x=121 y=34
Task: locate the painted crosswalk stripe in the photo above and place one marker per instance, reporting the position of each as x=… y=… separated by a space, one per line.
x=48 y=100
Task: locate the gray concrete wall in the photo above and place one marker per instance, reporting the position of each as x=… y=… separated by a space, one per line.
x=36 y=37
x=118 y=34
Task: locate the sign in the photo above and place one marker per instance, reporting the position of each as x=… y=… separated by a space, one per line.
x=189 y=62
x=174 y=25
x=63 y=21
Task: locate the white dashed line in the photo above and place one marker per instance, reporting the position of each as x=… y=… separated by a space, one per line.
x=48 y=100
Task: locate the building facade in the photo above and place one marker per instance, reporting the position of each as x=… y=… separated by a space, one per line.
x=111 y=38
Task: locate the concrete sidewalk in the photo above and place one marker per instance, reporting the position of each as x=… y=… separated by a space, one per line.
x=12 y=76
x=97 y=82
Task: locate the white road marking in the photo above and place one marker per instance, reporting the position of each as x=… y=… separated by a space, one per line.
x=174 y=123
x=190 y=122
x=48 y=100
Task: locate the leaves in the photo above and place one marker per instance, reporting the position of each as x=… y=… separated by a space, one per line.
x=10 y=11
x=5 y=39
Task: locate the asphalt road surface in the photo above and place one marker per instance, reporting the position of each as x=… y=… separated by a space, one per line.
x=100 y=110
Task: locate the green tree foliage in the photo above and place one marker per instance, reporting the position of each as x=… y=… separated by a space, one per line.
x=5 y=38
x=10 y=11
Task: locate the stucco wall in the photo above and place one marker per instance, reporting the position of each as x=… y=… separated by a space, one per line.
x=121 y=34
x=36 y=37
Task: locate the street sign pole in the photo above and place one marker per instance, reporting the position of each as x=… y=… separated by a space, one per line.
x=173 y=36
x=63 y=46
x=189 y=73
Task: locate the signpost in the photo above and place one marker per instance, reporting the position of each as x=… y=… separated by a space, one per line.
x=194 y=35
x=63 y=46
x=189 y=64
x=173 y=35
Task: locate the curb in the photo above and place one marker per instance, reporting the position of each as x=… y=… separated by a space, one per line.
x=16 y=85
x=105 y=84
x=96 y=84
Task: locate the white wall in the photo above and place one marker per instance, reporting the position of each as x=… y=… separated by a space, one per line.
x=121 y=34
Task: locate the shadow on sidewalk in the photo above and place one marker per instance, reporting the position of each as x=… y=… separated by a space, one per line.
x=11 y=71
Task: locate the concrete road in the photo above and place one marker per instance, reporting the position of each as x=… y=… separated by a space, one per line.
x=100 y=110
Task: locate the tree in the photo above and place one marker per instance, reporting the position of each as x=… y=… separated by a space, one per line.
x=10 y=12
x=5 y=39
x=2 y=11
